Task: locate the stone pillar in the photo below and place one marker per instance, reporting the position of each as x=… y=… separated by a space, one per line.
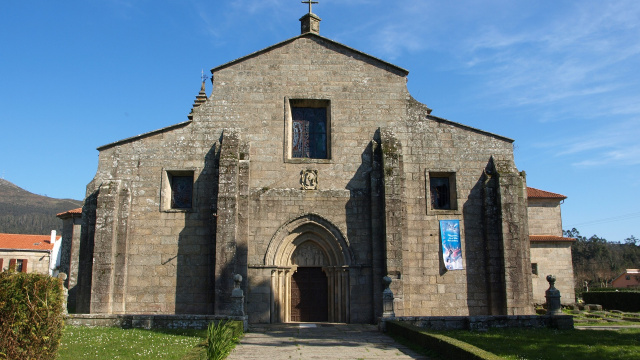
x=108 y=284
x=70 y=253
x=387 y=299
x=377 y=228
x=553 y=297
x=65 y=292
x=394 y=208
x=506 y=238
x=85 y=252
x=232 y=218
x=237 y=297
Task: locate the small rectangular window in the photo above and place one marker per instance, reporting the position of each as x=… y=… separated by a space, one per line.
x=308 y=127
x=18 y=265
x=177 y=190
x=309 y=132
x=440 y=193
x=181 y=191
x=534 y=268
x=441 y=188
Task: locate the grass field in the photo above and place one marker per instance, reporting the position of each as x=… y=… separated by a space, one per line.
x=79 y=343
x=542 y=344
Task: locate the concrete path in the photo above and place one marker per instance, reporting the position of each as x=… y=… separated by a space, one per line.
x=319 y=341
x=605 y=327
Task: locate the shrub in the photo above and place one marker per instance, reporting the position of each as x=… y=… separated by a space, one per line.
x=31 y=317
x=222 y=338
x=442 y=344
x=614 y=300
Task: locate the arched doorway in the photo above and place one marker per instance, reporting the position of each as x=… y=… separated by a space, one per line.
x=310 y=261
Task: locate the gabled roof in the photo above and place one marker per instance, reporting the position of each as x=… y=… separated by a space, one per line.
x=26 y=242
x=549 y=238
x=373 y=59
x=467 y=127
x=533 y=193
x=627 y=272
x=150 y=133
x=70 y=213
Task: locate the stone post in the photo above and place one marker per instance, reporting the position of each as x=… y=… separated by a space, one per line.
x=237 y=297
x=65 y=293
x=553 y=297
x=387 y=299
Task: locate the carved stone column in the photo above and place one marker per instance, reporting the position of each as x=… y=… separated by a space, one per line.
x=237 y=297
x=387 y=299
x=553 y=297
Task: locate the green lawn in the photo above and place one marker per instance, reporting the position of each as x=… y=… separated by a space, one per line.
x=541 y=344
x=115 y=343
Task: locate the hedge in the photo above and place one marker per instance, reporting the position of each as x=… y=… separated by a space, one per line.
x=442 y=344
x=31 y=316
x=614 y=300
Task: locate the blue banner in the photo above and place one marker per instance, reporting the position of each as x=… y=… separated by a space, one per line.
x=451 y=246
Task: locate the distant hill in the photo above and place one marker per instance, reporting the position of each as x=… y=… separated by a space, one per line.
x=22 y=212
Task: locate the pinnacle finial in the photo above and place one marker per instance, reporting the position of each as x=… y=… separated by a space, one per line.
x=310 y=23
x=310 y=4
x=201 y=98
x=204 y=78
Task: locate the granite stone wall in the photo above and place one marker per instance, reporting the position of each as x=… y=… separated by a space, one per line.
x=141 y=256
x=553 y=258
x=545 y=217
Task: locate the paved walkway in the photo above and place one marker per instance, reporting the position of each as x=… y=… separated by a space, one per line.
x=319 y=341
x=605 y=327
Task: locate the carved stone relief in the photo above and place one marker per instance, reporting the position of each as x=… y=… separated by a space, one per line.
x=309 y=179
x=308 y=254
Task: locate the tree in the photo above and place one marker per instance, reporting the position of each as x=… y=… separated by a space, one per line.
x=597 y=262
x=631 y=240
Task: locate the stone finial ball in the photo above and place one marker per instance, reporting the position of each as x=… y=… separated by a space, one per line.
x=237 y=277
x=551 y=278
x=62 y=276
x=386 y=281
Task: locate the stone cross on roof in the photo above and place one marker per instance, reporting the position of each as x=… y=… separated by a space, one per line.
x=310 y=3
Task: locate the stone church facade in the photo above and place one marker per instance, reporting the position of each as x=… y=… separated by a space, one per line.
x=312 y=172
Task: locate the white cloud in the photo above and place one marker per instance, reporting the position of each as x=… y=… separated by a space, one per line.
x=627 y=156
x=612 y=143
x=574 y=55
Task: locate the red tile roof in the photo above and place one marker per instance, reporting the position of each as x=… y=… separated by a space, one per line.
x=70 y=212
x=533 y=193
x=26 y=242
x=549 y=238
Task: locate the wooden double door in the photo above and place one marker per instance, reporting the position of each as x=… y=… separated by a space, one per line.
x=309 y=295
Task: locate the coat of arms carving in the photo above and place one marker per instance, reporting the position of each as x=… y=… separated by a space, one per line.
x=309 y=179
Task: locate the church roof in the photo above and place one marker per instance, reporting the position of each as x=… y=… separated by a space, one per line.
x=143 y=135
x=26 y=242
x=533 y=193
x=387 y=65
x=70 y=213
x=467 y=127
x=549 y=238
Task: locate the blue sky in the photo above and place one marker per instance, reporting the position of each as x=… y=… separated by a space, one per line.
x=560 y=77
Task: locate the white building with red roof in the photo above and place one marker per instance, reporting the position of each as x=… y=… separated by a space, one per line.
x=30 y=253
x=550 y=251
